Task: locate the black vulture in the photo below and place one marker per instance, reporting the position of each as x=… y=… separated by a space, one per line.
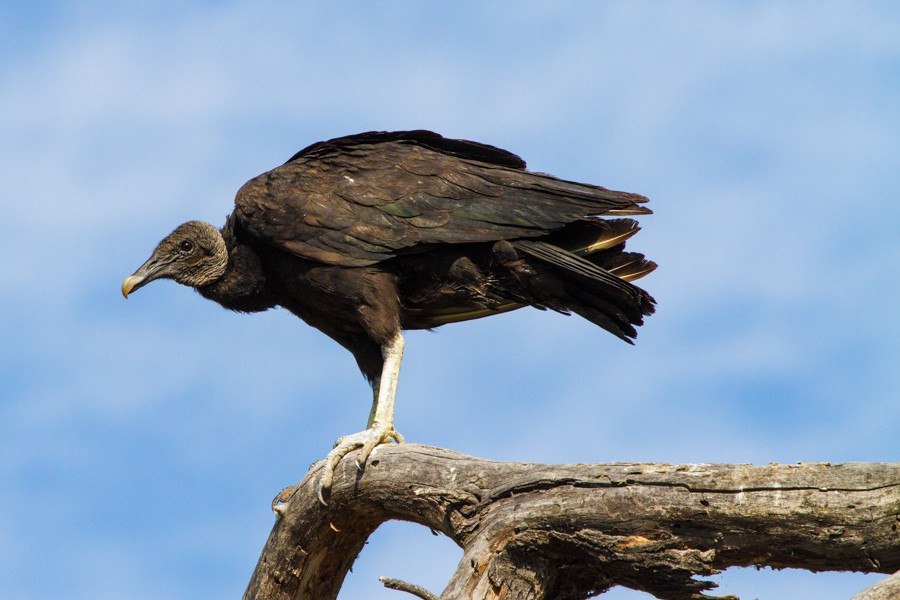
x=367 y=235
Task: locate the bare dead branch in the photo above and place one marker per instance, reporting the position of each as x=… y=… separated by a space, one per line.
x=534 y=531
x=403 y=586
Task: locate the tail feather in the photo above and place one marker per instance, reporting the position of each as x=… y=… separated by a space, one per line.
x=581 y=268
x=634 y=270
x=596 y=286
x=606 y=314
x=624 y=265
x=576 y=265
x=588 y=236
x=603 y=320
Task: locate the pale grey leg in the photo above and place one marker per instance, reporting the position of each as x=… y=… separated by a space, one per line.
x=380 y=427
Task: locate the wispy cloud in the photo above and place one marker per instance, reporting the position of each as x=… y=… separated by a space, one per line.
x=765 y=138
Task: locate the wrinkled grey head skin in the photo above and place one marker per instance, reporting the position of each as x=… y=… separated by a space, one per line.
x=194 y=255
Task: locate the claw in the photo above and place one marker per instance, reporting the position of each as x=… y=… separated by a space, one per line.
x=320 y=491
x=368 y=440
x=363 y=455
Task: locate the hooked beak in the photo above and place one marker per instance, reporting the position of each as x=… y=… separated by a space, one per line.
x=131 y=283
x=150 y=270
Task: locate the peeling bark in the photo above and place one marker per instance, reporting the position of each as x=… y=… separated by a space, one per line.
x=566 y=532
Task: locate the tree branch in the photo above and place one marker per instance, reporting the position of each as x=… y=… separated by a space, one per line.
x=886 y=589
x=569 y=531
x=416 y=590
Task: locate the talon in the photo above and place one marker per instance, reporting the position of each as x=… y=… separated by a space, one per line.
x=368 y=440
x=341 y=448
x=365 y=452
x=324 y=483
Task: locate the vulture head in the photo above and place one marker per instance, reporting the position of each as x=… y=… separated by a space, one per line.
x=194 y=255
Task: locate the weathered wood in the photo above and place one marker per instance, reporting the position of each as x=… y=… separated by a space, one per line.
x=886 y=589
x=415 y=590
x=536 y=531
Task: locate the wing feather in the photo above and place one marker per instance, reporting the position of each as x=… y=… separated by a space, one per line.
x=362 y=199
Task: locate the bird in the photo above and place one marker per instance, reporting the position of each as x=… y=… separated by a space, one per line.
x=369 y=235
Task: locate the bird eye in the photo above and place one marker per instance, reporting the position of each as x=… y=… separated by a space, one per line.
x=186 y=246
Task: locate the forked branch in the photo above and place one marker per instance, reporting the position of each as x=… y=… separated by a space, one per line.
x=569 y=531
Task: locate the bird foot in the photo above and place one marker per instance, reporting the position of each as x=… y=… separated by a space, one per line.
x=367 y=440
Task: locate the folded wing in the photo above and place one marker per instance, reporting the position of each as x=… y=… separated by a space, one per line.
x=359 y=200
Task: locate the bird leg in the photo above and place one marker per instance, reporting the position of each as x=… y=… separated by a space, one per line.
x=380 y=427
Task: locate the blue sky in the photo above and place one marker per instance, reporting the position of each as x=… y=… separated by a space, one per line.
x=142 y=441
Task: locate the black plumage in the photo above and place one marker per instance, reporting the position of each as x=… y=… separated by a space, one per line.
x=367 y=235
